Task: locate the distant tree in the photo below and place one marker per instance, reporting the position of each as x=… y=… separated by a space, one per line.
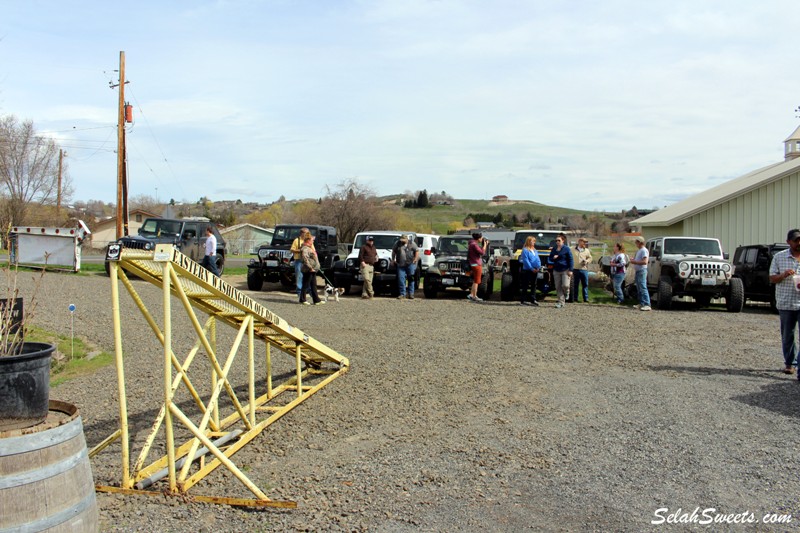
x=28 y=170
x=352 y=207
x=514 y=220
x=172 y=201
x=422 y=199
x=469 y=222
x=498 y=218
x=145 y=202
x=598 y=226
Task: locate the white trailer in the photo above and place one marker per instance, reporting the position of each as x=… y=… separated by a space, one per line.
x=54 y=247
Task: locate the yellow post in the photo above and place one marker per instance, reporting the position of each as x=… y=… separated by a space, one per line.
x=127 y=482
x=173 y=485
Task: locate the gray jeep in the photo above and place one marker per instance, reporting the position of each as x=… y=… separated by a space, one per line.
x=451 y=269
x=692 y=266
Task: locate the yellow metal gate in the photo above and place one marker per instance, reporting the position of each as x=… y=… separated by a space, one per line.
x=215 y=428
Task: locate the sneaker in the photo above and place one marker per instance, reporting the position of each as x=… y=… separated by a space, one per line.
x=524 y=303
x=636 y=306
x=469 y=297
x=559 y=305
x=645 y=308
x=321 y=302
x=401 y=297
x=306 y=303
x=477 y=299
x=410 y=296
x=535 y=304
x=789 y=370
x=365 y=297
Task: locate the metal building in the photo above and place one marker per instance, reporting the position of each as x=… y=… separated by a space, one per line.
x=757 y=208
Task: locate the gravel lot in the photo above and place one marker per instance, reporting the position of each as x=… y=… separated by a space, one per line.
x=477 y=417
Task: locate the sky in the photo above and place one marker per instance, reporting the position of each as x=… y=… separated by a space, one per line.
x=583 y=104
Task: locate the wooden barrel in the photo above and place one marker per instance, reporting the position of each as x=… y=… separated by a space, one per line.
x=46 y=480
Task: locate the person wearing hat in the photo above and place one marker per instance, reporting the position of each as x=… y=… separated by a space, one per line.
x=367 y=257
x=639 y=263
x=783 y=272
x=405 y=254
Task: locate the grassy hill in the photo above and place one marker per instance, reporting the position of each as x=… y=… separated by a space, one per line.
x=440 y=218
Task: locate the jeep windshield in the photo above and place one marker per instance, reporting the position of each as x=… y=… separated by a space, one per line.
x=154 y=227
x=453 y=246
x=382 y=242
x=286 y=235
x=544 y=239
x=692 y=247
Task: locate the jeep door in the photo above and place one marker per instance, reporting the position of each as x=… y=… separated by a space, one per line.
x=190 y=241
x=655 y=249
x=759 y=274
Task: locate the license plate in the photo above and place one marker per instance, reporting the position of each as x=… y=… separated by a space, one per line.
x=448 y=281
x=271 y=263
x=709 y=280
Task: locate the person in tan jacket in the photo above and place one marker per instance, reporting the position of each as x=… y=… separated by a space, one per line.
x=581 y=257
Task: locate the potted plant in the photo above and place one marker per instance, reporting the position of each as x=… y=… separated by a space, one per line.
x=24 y=366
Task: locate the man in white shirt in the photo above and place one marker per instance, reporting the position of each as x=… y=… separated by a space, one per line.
x=639 y=263
x=210 y=257
x=783 y=273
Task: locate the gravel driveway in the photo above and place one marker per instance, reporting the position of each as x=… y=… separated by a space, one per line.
x=478 y=417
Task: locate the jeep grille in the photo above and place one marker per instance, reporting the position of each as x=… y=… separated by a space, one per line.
x=280 y=255
x=703 y=269
x=457 y=267
x=136 y=244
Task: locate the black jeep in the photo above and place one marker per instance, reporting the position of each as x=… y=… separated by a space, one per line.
x=187 y=234
x=751 y=265
x=451 y=269
x=275 y=262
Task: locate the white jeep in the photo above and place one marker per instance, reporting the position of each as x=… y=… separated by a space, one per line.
x=692 y=266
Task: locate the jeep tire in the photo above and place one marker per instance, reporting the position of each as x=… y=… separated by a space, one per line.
x=507 y=287
x=255 y=281
x=429 y=289
x=734 y=299
x=665 y=293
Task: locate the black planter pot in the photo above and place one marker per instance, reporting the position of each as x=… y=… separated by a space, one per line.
x=25 y=386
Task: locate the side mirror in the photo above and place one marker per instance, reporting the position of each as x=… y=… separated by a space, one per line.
x=725 y=255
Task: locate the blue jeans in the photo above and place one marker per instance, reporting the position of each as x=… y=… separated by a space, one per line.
x=403 y=273
x=641 y=286
x=789 y=323
x=210 y=263
x=617 y=280
x=298 y=275
x=581 y=277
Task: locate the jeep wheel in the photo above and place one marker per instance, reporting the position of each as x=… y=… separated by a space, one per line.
x=220 y=264
x=734 y=300
x=483 y=287
x=507 y=287
x=429 y=289
x=665 y=293
x=254 y=279
x=287 y=282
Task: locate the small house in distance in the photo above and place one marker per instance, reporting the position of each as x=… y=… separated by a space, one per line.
x=105 y=231
x=245 y=238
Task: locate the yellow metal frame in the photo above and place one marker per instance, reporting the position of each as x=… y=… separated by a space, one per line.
x=220 y=434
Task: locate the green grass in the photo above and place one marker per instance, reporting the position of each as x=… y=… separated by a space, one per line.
x=76 y=361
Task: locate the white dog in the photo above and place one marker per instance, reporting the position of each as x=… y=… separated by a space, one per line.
x=332 y=292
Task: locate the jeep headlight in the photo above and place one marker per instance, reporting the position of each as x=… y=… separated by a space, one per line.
x=384 y=263
x=350 y=263
x=726 y=267
x=683 y=266
x=443 y=267
x=263 y=253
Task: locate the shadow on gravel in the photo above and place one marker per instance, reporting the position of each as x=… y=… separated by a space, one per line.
x=708 y=371
x=780 y=398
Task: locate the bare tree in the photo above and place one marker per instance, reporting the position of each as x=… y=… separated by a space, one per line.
x=352 y=207
x=145 y=202
x=28 y=170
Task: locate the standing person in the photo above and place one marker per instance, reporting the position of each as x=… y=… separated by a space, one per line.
x=783 y=273
x=367 y=257
x=618 y=262
x=561 y=259
x=405 y=255
x=530 y=268
x=568 y=289
x=639 y=263
x=581 y=257
x=475 y=251
x=296 y=247
x=308 y=256
x=210 y=256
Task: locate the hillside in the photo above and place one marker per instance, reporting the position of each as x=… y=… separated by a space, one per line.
x=438 y=219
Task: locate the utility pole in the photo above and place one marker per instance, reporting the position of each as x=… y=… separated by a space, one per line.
x=61 y=155
x=122 y=181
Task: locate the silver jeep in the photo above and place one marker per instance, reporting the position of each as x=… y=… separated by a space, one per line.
x=692 y=266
